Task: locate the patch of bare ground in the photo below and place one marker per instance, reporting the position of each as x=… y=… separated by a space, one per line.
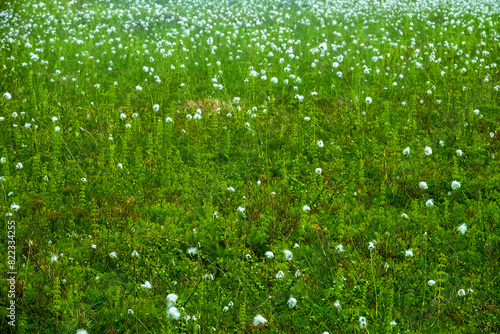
x=207 y=105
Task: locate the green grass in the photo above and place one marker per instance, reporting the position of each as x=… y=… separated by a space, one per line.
x=103 y=171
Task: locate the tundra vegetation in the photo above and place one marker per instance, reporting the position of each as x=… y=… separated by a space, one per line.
x=213 y=166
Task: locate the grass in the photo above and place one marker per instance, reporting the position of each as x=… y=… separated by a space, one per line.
x=142 y=157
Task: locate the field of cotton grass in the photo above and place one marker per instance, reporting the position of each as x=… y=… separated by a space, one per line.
x=244 y=166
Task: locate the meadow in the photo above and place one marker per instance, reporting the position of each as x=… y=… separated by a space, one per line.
x=245 y=166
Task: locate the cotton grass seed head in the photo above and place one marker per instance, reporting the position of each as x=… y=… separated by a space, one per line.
x=173 y=313
x=462 y=228
x=362 y=322
x=171 y=299
x=259 y=320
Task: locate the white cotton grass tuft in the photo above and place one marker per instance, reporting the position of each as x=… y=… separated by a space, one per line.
x=429 y=202
x=292 y=302
x=259 y=320
x=306 y=208
x=269 y=254
x=146 y=285
x=81 y=331
x=406 y=151
x=431 y=282
x=173 y=313
x=288 y=255
x=428 y=150
x=423 y=185
x=461 y=292
x=462 y=228
x=409 y=252
x=455 y=185
x=171 y=299
x=362 y=322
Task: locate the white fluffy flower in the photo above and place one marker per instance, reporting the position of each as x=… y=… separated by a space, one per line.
x=269 y=255
x=146 y=285
x=455 y=185
x=362 y=322
x=427 y=150
x=337 y=304
x=156 y=107
x=259 y=320
x=431 y=282
x=274 y=80
x=292 y=302
x=320 y=143
x=318 y=171
x=423 y=185
x=409 y=252
x=340 y=248
x=173 y=313
x=7 y=96
x=135 y=254
x=192 y=251
x=462 y=228
x=113 y=255
x=171 y=299
x=288 y=255
x=306 y=208
x=429 y=202
x=406 y=151
x=461 y=292
x=368 y=100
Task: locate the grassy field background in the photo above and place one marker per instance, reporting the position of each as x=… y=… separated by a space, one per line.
x=250 y=166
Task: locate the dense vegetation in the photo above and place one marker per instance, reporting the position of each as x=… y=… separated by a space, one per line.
x=270 y=166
